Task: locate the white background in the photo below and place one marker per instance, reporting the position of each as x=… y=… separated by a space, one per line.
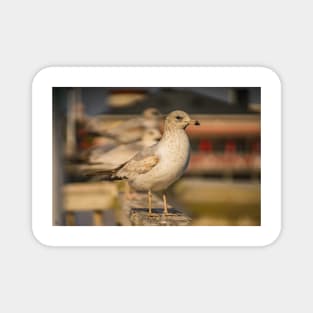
x=35 y=34
x=42 y=143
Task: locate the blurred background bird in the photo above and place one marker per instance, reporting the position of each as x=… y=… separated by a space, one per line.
x=119 y=155
x=132 y=129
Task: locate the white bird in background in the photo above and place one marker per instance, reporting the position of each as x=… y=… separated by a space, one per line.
x=118 y=156
x=132 y=129
x=156 y=168
x=129 y=131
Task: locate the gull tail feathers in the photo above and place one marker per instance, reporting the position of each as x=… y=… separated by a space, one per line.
x=104 y=174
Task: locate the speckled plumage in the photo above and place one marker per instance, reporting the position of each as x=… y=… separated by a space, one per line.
x=159 y=166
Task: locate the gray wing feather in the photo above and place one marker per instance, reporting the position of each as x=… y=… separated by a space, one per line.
x=141 y=163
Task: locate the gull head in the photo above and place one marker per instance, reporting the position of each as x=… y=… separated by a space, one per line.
x=152 y=113
x=151 y=135
x=179 y=119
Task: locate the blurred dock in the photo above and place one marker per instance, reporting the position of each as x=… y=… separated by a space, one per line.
x=99 y=197
x=220 y=202
x=95 y=198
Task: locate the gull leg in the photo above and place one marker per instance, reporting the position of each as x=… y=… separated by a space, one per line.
x=127 y=189
x=164 y=203
x=150 y=202
x=129 y=193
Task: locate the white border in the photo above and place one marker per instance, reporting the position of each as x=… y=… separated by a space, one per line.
x=262 y=235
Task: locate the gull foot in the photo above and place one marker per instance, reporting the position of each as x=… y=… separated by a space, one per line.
x=168 y=214
x=152 y=214
x=133 y=196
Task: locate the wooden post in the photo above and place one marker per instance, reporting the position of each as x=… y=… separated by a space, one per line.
x=59 y=104
x=94 y=197
x=70 y=145
x=70 y=219
x=135 y=212
x=141 y=217
x=97 y=218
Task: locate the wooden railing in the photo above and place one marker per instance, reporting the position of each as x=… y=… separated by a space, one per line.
x=98 y=197
x=88 y=197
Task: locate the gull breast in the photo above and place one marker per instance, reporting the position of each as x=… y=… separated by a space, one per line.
x=173 y=152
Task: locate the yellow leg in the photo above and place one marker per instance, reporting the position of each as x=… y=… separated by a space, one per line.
x=128 y=191
x=150 y=201
x=130 y=194
x=165 y=204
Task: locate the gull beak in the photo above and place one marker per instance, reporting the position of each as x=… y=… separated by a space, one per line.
x=195 y=122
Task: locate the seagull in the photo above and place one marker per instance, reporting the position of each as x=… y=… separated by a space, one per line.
x=118 y=156
x=132 y=129
x=155 y=168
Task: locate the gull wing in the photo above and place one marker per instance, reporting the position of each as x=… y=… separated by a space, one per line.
x=128 y=125
x=141 y=163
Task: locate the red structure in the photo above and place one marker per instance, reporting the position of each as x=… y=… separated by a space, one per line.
x=225 y=144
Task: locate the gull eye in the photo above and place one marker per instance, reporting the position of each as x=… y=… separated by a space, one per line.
x=178 y=118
